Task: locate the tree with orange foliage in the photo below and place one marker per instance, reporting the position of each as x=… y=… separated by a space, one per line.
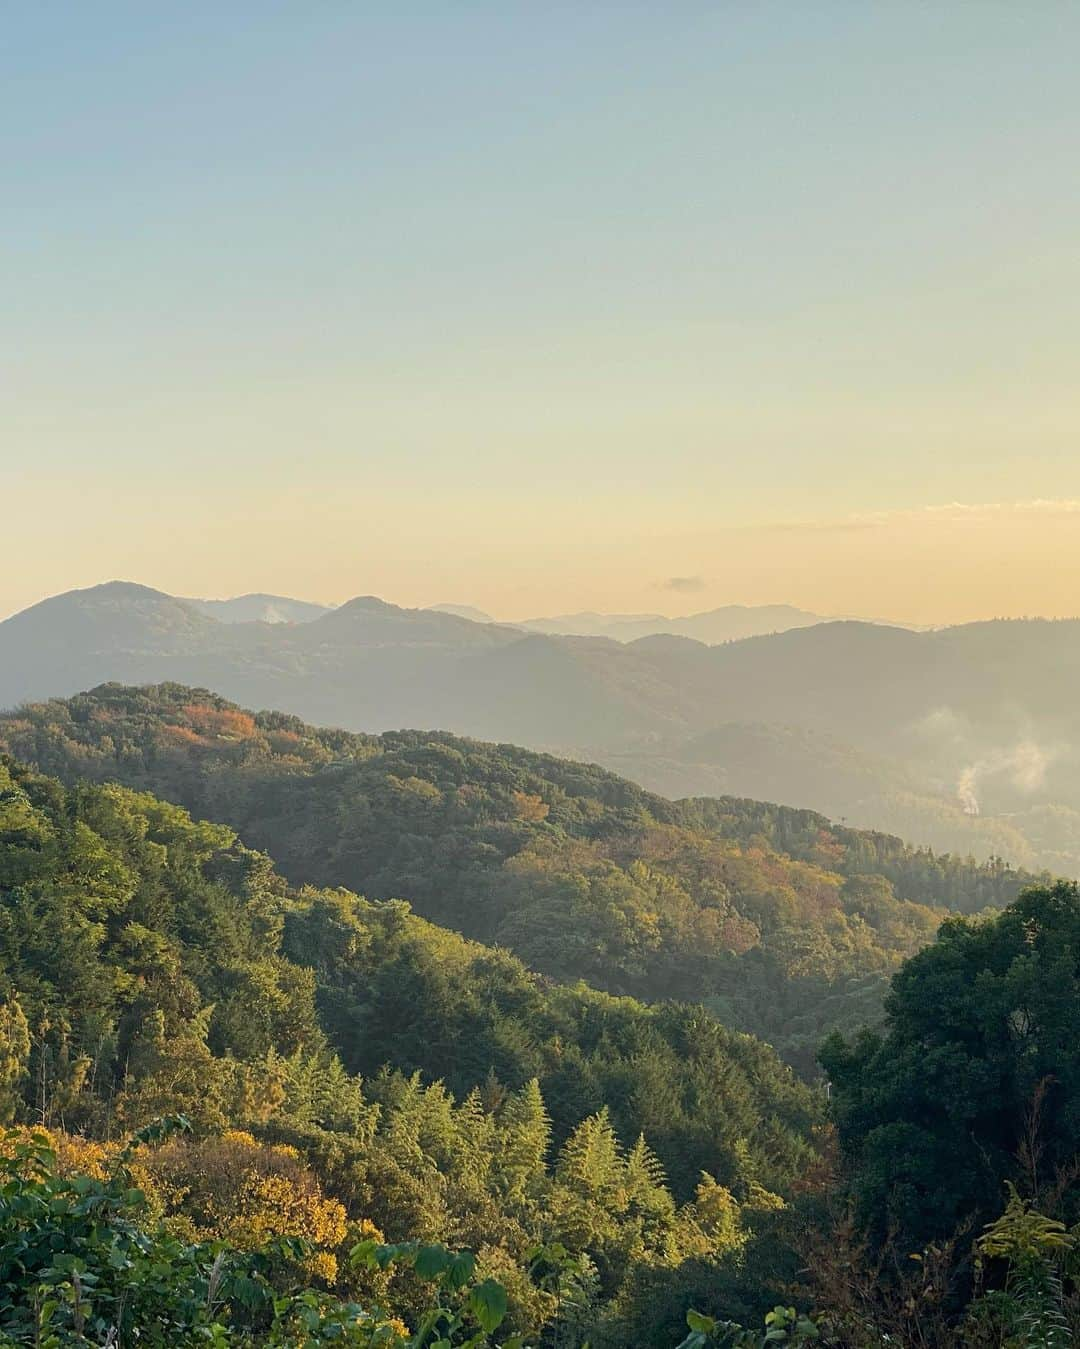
x=223 y=723
x=528 y=806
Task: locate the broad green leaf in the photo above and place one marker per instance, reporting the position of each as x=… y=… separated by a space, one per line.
x=431 y=1261
x=487 y=1302
x=460 y=1270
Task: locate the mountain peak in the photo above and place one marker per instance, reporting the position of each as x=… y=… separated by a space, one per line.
x=117 y=590
x=108 y=595
x=368 y=604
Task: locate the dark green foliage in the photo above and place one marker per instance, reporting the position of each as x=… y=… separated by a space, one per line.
x=129 y=959
x=465 y=1310
x=154 y=964
x=784 y=925
x=393 y=988
x=149 y=963
x=975 y=1078
x=783 y=1325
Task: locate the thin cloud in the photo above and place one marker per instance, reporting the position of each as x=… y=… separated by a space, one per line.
x=684 y=585
x=951 y=512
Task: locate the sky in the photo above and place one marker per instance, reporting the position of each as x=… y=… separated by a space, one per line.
x=544 y=307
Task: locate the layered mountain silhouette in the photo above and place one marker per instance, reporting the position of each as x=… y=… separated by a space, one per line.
x=963 y=738
x=730 y=623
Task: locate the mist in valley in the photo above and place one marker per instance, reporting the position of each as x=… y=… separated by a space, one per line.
x=962 y=739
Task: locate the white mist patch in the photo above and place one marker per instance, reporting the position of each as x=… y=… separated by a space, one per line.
x=965 y=789
x=1025 y=766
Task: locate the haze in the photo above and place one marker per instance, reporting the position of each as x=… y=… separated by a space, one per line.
x=548 y=310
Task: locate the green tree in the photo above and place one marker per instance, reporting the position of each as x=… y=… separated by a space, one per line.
x=14 y=1055
x=975 y=1078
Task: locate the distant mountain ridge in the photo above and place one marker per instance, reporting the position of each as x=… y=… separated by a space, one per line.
x=961 y=738
x=260 y=608
x=469 y=611
x=732 y=622
x=729 y=623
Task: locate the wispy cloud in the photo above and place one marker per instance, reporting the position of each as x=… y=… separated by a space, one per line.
x=684 y=585
x=948 y=513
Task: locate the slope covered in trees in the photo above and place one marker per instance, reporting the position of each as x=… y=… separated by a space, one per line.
x=149 y=964
x=873 y=790
x=141 y=947
x=174 y=1241
x=782 y=924
x=353 y=1073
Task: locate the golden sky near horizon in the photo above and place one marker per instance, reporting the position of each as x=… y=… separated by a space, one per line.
x=539 y=311
x=942 y=565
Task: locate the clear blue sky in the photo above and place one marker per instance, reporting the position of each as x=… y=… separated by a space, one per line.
x=537 y=306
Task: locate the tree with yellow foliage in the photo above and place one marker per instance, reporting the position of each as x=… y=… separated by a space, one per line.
x=235 y=1189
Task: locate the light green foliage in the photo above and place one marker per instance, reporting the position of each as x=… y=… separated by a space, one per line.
x=82 y=1263
x=607 y=1207
x=1021 y=1234
x=14 y=1054
x=465 y=1309
x=1027 y=1310
x=783 y=1325
x=523 y=1142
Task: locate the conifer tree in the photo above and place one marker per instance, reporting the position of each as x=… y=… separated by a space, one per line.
x=524 y=1138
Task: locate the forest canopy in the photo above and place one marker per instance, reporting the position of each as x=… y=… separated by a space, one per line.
x=353 y=1076
x=783 y=924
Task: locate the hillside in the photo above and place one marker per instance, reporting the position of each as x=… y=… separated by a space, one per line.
x=783 y=924
x=869 y=790
x=966 y=739
x=346 y=1070
x=124 y=921
x=150 y=964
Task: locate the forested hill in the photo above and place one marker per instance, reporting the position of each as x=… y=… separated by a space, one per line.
x=149 y=964
x=782 y=924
